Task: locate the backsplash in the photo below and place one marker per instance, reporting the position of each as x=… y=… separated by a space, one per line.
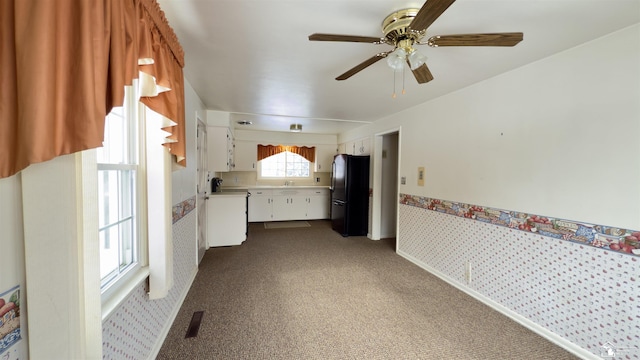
x=250 y=178
x=599 y=236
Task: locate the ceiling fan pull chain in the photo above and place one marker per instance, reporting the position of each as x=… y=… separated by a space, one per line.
x=403 y=92
x=394 y=85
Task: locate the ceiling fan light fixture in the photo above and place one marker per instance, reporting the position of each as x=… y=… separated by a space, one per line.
x=295 y=127
x=416 y=59
x=405 y=28
x=396 y=59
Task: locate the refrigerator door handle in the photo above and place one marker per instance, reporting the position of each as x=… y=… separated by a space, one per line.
x=333 y=180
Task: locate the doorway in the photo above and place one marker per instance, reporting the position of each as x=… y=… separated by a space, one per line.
x=389 y=186
x=201 y=188
x=385 y=185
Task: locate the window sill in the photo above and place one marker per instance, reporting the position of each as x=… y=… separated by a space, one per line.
x=123 y=291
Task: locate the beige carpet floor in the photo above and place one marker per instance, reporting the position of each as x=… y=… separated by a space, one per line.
x=309 y=293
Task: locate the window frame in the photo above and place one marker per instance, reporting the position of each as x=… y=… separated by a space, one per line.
x=119 y=286
x=293 y=178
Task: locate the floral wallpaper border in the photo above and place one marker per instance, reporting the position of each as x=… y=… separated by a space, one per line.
x=183 y=208
x=600 y=236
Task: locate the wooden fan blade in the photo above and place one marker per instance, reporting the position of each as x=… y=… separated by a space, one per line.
x=347 y=38
x=428 y=13
x=356 y=69
x=497 y=39
x=422 y=74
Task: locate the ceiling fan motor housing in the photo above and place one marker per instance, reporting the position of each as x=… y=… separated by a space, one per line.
x=395 y=28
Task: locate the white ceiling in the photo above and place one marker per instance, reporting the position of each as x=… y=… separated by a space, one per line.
x=252 y=58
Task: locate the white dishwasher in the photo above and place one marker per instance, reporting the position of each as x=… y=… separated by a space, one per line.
x=226 y=218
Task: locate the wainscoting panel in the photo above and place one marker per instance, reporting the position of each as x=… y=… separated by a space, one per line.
x=137 y=329
x=584 y=294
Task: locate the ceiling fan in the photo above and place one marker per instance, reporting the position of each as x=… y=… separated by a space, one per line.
x=405 y=28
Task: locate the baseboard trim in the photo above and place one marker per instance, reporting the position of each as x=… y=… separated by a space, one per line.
x=172 y=317
x=538 y=329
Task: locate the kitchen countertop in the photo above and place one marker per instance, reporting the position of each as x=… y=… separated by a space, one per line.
x=242 y=190
x=279 y=187
x=230 y=192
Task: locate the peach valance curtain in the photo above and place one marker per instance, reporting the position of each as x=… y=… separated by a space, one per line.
x=64 y=65
x=264 y=151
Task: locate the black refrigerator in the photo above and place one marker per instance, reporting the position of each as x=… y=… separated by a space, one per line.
x=350 y=194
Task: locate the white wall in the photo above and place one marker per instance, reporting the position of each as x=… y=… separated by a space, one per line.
x=184 y=179
x=558 y=137
x=276 y=138
x=12 y=265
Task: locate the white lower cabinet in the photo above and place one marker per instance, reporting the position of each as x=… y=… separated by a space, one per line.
x=318 y=204
x=260 y=205
x=226 y=219
x=289 y=204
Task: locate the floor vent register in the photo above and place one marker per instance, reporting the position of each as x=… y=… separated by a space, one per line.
x=194 y=325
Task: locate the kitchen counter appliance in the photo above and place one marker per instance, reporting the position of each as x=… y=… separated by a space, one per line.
x=215 y=184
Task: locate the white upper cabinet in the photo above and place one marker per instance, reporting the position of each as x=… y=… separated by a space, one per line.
x=324 y=157
x=219 y=148
x=245 y=155
x=363 y=147
x=357 y=147
x=342 y=148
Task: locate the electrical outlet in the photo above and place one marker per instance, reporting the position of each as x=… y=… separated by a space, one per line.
x=403 y=180
x=317 y=179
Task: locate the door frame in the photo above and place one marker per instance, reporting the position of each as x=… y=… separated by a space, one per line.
x=201 y=189
x=376 y=206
